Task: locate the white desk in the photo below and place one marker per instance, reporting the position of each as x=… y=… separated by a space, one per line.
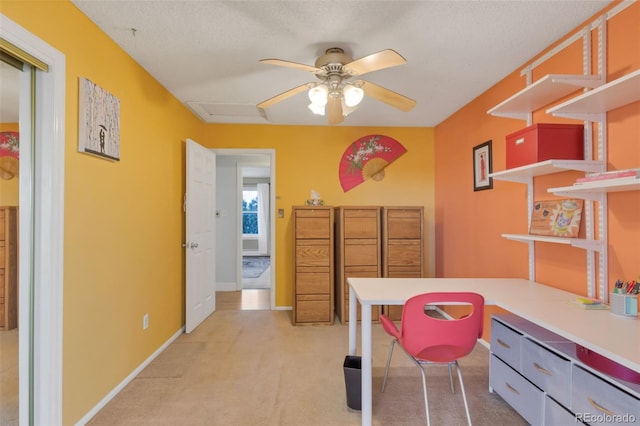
x=615 y=337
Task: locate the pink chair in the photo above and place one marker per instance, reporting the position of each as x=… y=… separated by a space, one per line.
x=429 y=340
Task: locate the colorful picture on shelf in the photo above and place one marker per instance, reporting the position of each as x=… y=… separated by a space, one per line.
x=367 y=158
x=558 y=218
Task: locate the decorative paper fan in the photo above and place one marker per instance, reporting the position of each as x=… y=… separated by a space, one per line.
x=366 y=158
x=9 y=154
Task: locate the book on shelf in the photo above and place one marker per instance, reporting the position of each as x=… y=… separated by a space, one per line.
x=613 y=174
x=589 y=303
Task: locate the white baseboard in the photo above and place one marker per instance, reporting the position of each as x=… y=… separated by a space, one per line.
x=226 y=286
x=127 y=380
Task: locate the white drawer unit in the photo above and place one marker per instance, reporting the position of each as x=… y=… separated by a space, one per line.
x=547 y=370
x=556 y=415
x=596 y=401
x=543 y=378
x=523 y=396
x=505 y=343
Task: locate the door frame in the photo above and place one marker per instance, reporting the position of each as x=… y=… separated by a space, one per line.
x=41 y=247
x=272 y=208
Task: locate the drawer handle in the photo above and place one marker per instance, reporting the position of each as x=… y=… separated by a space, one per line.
x=511 y=388
x=600 y=407
x=542 y=370
x=503 y=344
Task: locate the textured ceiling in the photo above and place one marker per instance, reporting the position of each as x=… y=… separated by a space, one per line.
x=206 y=52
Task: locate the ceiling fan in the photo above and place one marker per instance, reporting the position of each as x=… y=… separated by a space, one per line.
x=335 y=92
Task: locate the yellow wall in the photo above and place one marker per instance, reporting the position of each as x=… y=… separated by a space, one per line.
x=469 y=225
x=123 y=220
x=308 y=158
x=9 y=188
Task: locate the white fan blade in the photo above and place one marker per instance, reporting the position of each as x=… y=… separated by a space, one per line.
x=388 y=96
x=289 y=64
x=377 y=61
x=334 y=110
x=282 y=96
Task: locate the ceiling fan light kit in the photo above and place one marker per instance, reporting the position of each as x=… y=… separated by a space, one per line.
x=335 y=95
x=318 y=95
x=352 y=95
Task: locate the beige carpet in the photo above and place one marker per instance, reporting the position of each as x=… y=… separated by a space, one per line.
x=255 y=368
x=9 y=378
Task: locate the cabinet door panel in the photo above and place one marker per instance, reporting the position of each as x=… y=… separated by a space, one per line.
x=506 y=344
x=360 y=272
x=313 y=283
x=313 y=253
x=375 y=311
x=404 y=252
x=605 y=402
x=556 y=415
x=361 y=227
x=361 y=252
x=404 y=272
x=547 y=370
x=524 y=397
x=312 y=309
x=311 y=227
x=2 y=298
x=404 y=224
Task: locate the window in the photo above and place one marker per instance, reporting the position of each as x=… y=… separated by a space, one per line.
x=250 y=212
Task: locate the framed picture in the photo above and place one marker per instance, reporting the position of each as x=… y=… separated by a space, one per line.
x=482 y=166
x=99 y=121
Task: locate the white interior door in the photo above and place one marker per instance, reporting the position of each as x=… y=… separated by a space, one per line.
x=200 y=234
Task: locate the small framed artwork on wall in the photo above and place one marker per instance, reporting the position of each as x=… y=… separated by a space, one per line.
x=99 y=121
x=482 y=167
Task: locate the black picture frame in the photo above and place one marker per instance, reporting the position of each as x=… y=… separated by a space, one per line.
x=482 y=166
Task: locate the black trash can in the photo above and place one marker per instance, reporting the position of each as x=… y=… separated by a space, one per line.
x=353 y=381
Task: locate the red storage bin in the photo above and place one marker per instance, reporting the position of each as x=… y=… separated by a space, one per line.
x=545 y=141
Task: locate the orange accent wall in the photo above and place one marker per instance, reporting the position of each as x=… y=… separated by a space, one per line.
x=469 y=225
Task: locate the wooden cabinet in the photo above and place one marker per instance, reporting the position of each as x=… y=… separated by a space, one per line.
x=313 y=288
x=8 y=268
x=402 y=247
x=357 y=252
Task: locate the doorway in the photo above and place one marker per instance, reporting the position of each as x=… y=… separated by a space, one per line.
x=9 y=203
x=245 y=200
x=255 y=214
x=41 y=196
